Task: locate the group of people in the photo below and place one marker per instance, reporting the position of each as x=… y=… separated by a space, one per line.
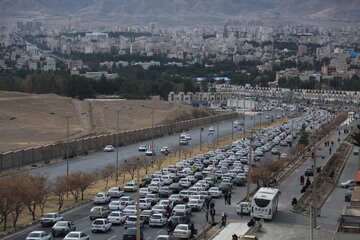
x=227 y=197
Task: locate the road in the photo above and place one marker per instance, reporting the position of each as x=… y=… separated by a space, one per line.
x=79 y=215
x=289 y=225
x=100 y=159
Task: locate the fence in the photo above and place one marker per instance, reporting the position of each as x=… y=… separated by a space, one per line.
x=83 y=146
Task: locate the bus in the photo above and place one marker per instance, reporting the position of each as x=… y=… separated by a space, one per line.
x=265 y=203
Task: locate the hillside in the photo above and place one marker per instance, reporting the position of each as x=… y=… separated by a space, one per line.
x=26 y=119
x=184 y=12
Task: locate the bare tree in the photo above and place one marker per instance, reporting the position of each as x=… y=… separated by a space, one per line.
x=17 y=192
x=85 y=181
x=130 y=166
x=59 y=190
x=6 y=202
x=159 y=161
x=37 y=193
x=145 y=164
x=106 y=173
x=260 y=175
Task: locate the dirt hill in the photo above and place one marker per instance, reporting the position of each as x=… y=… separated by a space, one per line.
x=28 y=120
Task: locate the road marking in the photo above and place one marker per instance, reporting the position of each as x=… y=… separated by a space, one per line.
x=112 y=237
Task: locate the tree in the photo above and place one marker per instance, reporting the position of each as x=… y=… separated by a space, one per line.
x=37 y=191
x=260 y=175
x=6 y=202
x=78 y=182
x=145 y=163
x=18 y=194
x=59 y=190
x=106 y=173
x=304 y=136
x=130 y=166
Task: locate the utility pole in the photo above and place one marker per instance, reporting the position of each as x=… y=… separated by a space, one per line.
x=244 y=114
x=138 y=201
x=201 y=130
x=248 y=176
x=232 y=130
x=117 y=147
x=67 y=155
x=152 y=136
x=217 y=134
x=311 y=223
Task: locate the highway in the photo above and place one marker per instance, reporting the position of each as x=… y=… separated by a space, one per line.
x=79 y=215
x=98 y=160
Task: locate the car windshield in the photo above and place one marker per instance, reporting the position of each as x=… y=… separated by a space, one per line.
x=34 y=235
x=98 y=222
x=114 y=214
x=73 y=235
x=156 y=216
x=61 y=224
x=181 y=227
x=132 y=219
x=99 y=195
x=95 y=210
x=48 y=216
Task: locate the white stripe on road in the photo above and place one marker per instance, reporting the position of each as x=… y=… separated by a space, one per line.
x=112 y=237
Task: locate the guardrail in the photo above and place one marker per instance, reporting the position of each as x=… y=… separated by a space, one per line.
x=84 y=146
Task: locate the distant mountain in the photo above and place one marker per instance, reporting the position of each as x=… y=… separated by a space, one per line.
x=184 y=11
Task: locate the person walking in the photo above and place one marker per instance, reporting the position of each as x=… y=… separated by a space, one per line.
x=329 y=150
x=208 y=204
x=223 y=219
x=229 y=197
x=212 y=205
x=212 y=214
x=226 y=197
x=207 y=215
x=302 y=179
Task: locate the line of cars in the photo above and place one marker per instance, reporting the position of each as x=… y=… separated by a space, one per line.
x=172 y=193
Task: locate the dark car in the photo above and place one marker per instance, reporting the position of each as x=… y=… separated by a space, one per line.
x=239 y=181
x=165 y=191
x=145 y=215
x=175 y=188
x=147 y=179
x=309 y=172
x=199 y=175
x=130 y=234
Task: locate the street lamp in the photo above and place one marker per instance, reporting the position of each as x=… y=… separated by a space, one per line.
x=67 y=117
x=116 y=140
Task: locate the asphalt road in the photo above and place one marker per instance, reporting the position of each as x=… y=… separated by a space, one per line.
x=100 y=159
x=289 y=225
x=79 y=215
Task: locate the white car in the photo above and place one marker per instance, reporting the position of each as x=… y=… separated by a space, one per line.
x=127 y=200
x=115 y=192
x=143 y=148
x=109 y=148
x=150 y=152
x=188 y=136
x=163 y=237
x=143 y=191
x=154 y=187
x=244 y=208
x=158 y=209
x=101 y=197
x=195 y=205
x=130 y=210
x=38 y=235
x=76 y=235
x=101 y=225
x=143 y=204
x=116 y=217
x=211 y=129
x=116 y=205
x=348 y=183
x=130 y=187
x=182 y=231
x=49 y=219
x=157 y=219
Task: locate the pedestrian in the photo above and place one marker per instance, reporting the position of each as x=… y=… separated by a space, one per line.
x=303 y=189
x=229 y=197
x=235 y=237
x=212 y=214
x=302 y=179
x=308 y=182
x=207 y=215
x=223 y=219
x=339 y=133
x=332 y=143
x=329 y=150
x=192 y=230
x=293 y=202
x=226 y=197
x=241 y=211
x=212 y=205
x=208 y=204
x=169 y=227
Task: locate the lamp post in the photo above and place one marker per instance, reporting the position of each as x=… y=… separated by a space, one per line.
x=116 y=141
x=67 y=117
x=201 y=130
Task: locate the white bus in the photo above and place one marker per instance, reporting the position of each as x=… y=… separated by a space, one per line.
x=265 y=203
